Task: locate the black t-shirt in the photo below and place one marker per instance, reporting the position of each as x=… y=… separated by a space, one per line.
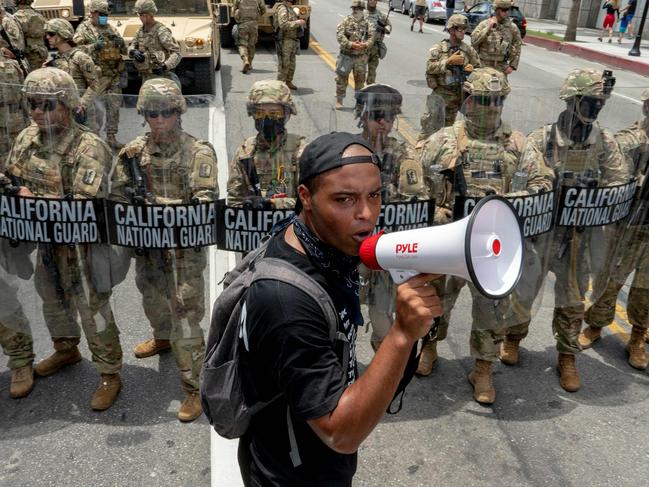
x=450 y=4
x=630 y=7
x=290 y=351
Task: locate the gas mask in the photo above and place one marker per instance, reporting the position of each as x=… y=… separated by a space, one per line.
x=103 y=20
x=270 y=128
x=587 y=108
x=482 y=115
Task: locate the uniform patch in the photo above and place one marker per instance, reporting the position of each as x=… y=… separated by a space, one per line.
x=89 y=176
x=205 y=170
x=411 y=177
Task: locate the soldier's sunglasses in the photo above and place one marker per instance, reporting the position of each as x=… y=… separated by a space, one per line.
x=273 y=114
x=485 y=101
x=377 y=115
x=50 y=34
x=156 y=113
x=46 y=105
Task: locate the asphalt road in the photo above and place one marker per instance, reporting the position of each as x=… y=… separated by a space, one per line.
x=536 y=434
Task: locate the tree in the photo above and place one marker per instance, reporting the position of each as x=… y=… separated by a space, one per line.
x=571 y=29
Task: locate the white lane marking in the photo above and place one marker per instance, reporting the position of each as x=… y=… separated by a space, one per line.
x=628 y=98
x=223 y=453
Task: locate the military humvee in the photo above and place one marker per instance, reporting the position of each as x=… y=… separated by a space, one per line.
x=266 y=23
x=70 y=10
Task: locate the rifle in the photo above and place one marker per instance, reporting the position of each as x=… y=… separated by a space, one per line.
x=387 y=169
x=256 y=200
x=18 y=54
x=459 y=75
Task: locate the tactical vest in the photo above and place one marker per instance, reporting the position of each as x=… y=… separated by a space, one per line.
x=33 y=27
x=289 y=33
x=453 y=76
x=277 y=170
x=12 y=117
x=401 y=175
x=497 y=44
x=149 y=43
x=70 y=63
x=109 y=56
x=247 y=11
x=373 y=18
x=582 y=161
x=355 y=31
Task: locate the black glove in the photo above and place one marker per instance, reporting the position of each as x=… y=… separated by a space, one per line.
x=99 y=45
x=256 y=203
x=159 y=69
x=137 y=55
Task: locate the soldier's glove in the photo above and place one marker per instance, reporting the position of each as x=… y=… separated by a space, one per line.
x=256 y=203
x=99 y=45
x=455 y=59
x=160 y=69
x=468 y=68
x=80 y=116
x=137 y=55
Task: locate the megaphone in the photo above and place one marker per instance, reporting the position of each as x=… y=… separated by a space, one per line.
x=485 y=248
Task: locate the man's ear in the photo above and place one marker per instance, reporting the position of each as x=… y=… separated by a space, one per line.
x=305 y=197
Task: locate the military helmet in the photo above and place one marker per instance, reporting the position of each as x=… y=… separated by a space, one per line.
x=52 y=82
x=587 y=82
x=505 y=4
x=377 y=96
x=61 y=27
x=270 y=91
x=487 y=82
x=145 y=7
x=645 y=95
x=457 y=20
x=100 y=6
x=358 y=4
x=160 y=94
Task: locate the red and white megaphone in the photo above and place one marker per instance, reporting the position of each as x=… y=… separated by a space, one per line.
x=485 y=248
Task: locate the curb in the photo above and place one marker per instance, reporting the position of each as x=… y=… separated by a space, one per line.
x=588 y=54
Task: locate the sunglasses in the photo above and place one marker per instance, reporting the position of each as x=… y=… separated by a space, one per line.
x=46 y=105
x=50 y=34
x=504 y=9
x=155 y=114
x=274 y=114
x=486 y=101
x=377 y=115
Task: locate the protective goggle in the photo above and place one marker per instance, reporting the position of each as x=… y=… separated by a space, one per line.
x=485 y=101
x=504 y=9
x=377 y=115
x=169 y=112
x=50 y=34
x=273 y=113
x=45 y=105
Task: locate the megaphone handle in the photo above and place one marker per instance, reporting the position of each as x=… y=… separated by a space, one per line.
x=399 y=276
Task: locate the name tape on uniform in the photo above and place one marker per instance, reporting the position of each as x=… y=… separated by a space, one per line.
x=396 y=217
x=594 y=207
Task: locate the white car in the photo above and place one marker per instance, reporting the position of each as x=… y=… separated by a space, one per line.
x=435 y=9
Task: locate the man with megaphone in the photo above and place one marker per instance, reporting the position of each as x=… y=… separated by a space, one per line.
x=476 y=157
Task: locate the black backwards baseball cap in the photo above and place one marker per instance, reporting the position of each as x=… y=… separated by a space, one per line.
x=326 y=153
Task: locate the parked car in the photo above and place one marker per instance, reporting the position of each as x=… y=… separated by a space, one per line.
x=484 y=10
x=435 y=9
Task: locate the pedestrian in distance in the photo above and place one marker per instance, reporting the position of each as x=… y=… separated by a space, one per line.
x=288 y=350
x=612 y=8
x=450 y=8
x=247 y=14
x=626 y=20
x=420 y=10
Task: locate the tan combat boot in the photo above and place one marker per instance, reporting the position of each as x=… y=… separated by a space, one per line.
x=427 y=358
x=339 y=103
x=191 y=407
x=509 y=351
x=246 y=67
x=480 y=379
x=568 y=376
x=113 y=143
x=637 y=355
x=588 y=336
x=106 y=393
x=151 y=347
x=291 y=86
x=57 y=361
x=22 y=381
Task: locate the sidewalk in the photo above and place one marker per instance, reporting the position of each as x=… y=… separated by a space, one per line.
x=588 y=47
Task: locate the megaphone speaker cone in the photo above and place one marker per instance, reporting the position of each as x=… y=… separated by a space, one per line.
x=367 y=252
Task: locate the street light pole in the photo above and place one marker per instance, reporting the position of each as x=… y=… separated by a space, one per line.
x=635 y=50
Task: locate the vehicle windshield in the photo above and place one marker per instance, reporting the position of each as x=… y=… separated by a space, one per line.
x=165 y=7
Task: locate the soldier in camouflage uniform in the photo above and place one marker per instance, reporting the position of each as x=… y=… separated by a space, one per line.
x=154 y=50
x=377 y=107
x=247 y=14
x=382 y=26
x=575 y=147
x=487 y=151
x=14 y=33
x=498 y=40
x=449 y=63
x=179 y=169
x=32 y=25
x=78 y=64
x=356 y=37
x=264 y=170
x=57 y=158
x=13 y=117
x=630 y=254
x=290 y=28
x=104 y=44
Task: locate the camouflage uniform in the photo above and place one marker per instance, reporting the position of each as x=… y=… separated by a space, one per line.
x=12 y=113
x=80 y=66
x=247 y=14
x=446 y=80
x=32 y=24
x=375 y=16
x=106 y=47
x=289 y=28
x=161 y=51
x=347 y=32
x=402 y=180
x=500 y=46
x=72 y=163
x=276 y=162
x=179 y=171
x=13 y=30
x=15 y=337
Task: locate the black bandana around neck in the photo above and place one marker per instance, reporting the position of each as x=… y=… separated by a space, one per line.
x=340 y=270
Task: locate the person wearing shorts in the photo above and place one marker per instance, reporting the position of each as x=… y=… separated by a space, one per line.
x=626 y=22
x=420 y=10
x=612 y=8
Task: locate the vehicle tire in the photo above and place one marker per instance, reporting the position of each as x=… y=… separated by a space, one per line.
x=225 y=32
x=304 y=40
x=427 y=19
x=411 y=11
x=403 y=8
x=204 y=76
